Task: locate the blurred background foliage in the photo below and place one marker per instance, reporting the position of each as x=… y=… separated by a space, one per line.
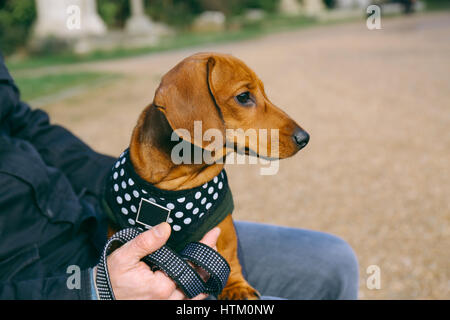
x=17 y=16
x=16 y=20
x=178 y=13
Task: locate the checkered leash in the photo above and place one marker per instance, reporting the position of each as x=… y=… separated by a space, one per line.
x=175 y=265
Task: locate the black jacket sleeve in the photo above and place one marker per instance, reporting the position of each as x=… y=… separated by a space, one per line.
x=25 y=220
x=52 y=288
x=58 y=147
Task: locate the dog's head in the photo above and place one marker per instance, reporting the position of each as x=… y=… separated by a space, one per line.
x=222 y=93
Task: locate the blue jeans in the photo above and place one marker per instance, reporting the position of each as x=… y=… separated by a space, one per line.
x=288 y=263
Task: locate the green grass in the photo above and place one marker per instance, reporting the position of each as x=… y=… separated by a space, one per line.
x=37 y=86
x=34 y=87
x=273 y=23
x=270 y=24
x=437 y=5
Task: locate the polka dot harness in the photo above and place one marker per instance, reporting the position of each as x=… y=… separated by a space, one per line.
x=134 y=205
x=137 y=203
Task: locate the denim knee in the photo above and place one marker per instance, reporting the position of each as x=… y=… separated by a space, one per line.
x=343 y=272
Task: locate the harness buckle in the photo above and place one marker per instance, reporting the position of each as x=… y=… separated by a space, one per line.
x=151 y=214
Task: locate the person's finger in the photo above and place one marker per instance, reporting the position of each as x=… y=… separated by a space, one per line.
x=145 y=243
x=210 y=239
x=171 y=292
x=163 y=279
x=177 y=295
x=201 y=296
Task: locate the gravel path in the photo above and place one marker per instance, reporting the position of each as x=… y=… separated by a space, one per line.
x=376 y=171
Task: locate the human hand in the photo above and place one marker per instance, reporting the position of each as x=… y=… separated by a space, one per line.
x=132 y=279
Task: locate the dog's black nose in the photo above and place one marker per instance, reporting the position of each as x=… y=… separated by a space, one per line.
x=301 y=138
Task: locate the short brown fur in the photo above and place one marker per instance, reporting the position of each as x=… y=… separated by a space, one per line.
x=202 y=87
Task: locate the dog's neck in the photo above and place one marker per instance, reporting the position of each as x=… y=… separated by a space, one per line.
x=150 y=152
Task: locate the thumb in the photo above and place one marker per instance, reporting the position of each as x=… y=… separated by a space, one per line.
x=210 y=239
x=145 y=243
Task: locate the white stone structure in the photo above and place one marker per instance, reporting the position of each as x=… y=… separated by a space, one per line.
x=68 y=19
x=313 y=7
x=209 y=21
x=290 y=7
x=353 y=4
x=76 y=25
x=306 y=7
x=138 y=23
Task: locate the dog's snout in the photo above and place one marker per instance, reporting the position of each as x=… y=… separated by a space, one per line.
x=301 y=138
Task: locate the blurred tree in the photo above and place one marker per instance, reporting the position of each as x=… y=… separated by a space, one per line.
x=114 y=12
x=178 y=13
x=330 y=3
x=267 y=5
x=181 y=12
x=233 y=7
x=16 y=19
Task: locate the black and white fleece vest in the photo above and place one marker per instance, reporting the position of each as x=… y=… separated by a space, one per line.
x=133 y=202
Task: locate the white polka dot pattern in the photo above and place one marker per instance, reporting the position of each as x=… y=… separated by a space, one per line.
x=179 y=214
x=187 y=207
x=170 y=206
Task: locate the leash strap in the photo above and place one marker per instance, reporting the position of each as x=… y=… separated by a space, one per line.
x=209 y=260
x=173 y=265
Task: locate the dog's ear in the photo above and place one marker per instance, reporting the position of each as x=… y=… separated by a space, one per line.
x=185 y=95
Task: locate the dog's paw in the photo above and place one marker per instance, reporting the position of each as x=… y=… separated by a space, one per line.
x=239 y=291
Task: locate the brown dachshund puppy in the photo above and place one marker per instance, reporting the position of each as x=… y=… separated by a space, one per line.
x=223 y=93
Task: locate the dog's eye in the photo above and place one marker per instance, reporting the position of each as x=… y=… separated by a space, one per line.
x=244 y=98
